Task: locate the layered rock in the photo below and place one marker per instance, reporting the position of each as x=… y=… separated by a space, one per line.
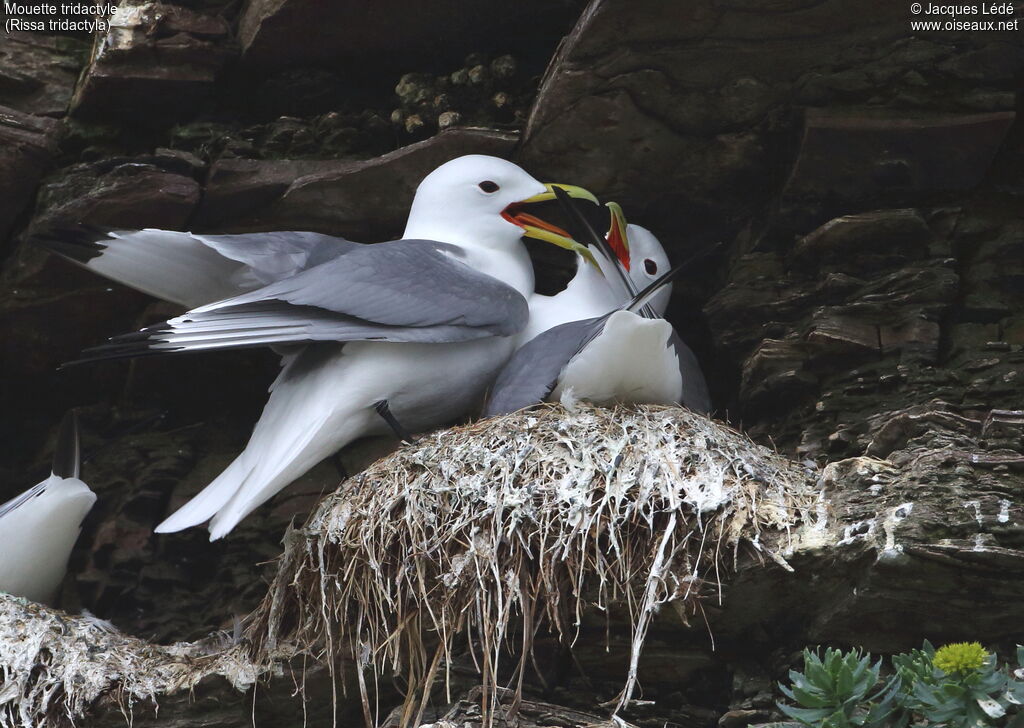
x=27 y=147
x=157 y=63
x=364 y=200
x=37 y=72
x=282 y=33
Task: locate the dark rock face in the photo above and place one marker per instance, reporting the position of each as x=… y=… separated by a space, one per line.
x=27 y=147
x=37 y=72
x=686 y=120
x=367 y=200
x=156 y=62
x=871 y=159
x=125 y=192
x=280 y=33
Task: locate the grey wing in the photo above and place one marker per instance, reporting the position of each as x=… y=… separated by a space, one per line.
x=14 y=503
x=402 y=291
x=186 y=268
x=533 y=371
x=695 y=388
x=169 y=265
x=272 y=256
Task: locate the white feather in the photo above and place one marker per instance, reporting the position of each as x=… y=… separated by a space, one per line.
x=593 y=293
x=38 y=536
x=173 y=266
x=630 y=361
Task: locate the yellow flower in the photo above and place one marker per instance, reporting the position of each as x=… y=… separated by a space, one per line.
x=960 y=657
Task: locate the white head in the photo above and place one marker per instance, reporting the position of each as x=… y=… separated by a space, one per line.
x=474 y=202
x=647 y=262
x=466 y=202
x=641 y=254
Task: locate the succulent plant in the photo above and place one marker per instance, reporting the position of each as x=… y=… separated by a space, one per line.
x=959 y=685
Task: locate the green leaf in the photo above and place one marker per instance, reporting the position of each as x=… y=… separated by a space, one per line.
x=991 y=682
x=945 y=712
x=817 y=675
x=797 y=678
x=837 y=719
x=1015 y=692
x=976 y=717
x=925 y=694
x=862 y=667
x=807 y=716
x=810 y=699
x=844 y=682
x=880 y=711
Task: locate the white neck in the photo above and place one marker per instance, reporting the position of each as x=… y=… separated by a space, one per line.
x=589 y=290
x=492 y=245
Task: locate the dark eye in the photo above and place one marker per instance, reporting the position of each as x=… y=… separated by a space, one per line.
x=488 y=186
x=650 y=266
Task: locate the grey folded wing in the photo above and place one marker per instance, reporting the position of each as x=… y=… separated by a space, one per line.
x=534 y=370
x=401 y=291
x=695 y=388
x=273 y=256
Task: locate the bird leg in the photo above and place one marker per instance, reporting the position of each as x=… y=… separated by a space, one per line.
x=384 y=410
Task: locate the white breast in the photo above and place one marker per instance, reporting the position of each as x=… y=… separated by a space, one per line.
x=38 y=537
x=631 y=361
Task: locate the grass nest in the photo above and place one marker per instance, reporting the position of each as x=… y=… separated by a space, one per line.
x=484 y=534
x=54 y=667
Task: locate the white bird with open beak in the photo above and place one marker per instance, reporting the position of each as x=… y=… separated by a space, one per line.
x=590 y=350
x=403 y=335
x=597 y=287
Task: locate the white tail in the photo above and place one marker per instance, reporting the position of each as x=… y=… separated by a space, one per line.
x=210 y=499
x=315 y=408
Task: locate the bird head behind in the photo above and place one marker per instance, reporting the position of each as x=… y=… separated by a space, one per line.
x=475 y=201
x=640 y=253
x=648 y=261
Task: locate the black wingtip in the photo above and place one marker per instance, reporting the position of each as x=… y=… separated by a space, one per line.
x=579 y=221
x=594 y=238
x=114 y=352
x=127 y=346
x=66 y=454
x=78 y=242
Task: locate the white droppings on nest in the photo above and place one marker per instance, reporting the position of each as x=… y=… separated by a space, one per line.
x=54 y=666
x=482 y=535
x=1004 y=511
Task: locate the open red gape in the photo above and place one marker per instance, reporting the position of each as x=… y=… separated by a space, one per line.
x=515 y=215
